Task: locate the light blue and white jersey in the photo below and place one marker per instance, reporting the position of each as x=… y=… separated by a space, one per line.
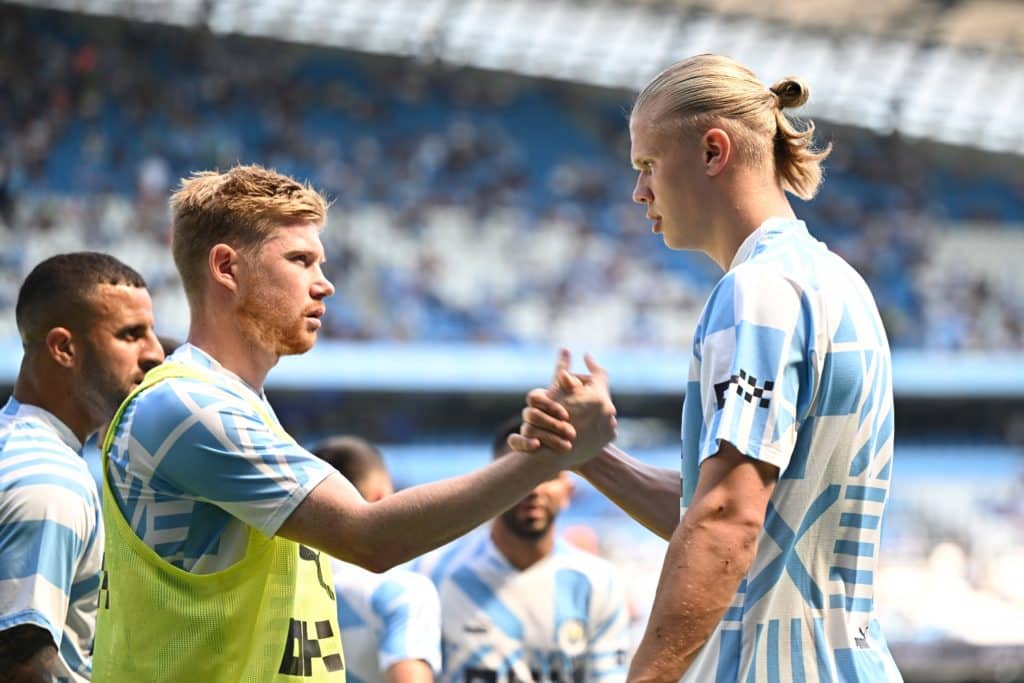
x=791 y=366
x=385 y=619
x=562 y=619
x=51 y=535
x=193 y=467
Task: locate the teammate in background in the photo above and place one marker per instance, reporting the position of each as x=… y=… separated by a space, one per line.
x=215 y=516
x=391 y=622
x=521 y=604
x=788 y=417
x=86 y=326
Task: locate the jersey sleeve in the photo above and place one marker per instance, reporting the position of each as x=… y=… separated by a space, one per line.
x=212 y=445
x=609 y=639
x=410 y=613
x=49 y=523
x=752 y=348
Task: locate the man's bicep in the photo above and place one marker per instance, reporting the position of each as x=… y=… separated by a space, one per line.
x=731 y=483
x=326 y=518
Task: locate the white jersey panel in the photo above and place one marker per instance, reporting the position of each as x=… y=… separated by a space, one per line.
x=563 y=619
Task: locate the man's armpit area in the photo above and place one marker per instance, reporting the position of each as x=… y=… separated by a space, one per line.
x=21 y=643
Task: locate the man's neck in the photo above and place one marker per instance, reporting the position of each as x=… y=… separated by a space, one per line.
x=738 y=220
x=35 y=387
x=226 y=344
x=522 y=553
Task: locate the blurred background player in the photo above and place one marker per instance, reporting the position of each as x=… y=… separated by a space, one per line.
x=519 y=603
x=391 y=622
x=86 y=325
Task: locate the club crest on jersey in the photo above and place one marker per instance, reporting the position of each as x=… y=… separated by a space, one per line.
x=572 y=637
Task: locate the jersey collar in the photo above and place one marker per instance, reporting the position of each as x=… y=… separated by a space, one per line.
x=771 y=227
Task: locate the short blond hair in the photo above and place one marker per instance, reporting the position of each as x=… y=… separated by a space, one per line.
x=241 y=208
x=711 y=90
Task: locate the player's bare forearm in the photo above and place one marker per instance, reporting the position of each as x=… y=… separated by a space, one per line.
x=705 y=562
x=380 y=535
x=709 y=554
x=410 y=671
x=648 y=494
x=27 y=655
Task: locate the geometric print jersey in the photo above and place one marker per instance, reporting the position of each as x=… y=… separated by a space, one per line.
x=51 y=535
x=791 y=366
x=385 y=619
x=562 y=619
x=193 y=466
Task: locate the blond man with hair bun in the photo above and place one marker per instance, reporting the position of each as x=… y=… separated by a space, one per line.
x=787 y=436
x=218 y=522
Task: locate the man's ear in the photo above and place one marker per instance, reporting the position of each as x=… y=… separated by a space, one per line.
x=223 y=265
x=60 y=345
x=716 y=147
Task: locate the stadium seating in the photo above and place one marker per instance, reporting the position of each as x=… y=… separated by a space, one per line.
x=467 y=205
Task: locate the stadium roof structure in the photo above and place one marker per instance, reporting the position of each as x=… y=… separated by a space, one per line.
x=946 y=70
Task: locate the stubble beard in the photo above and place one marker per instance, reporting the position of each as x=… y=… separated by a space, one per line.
x=269 y=324
x=524 y=529
x=101 y=392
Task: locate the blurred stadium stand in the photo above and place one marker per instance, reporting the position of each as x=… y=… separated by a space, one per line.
x=475 y=151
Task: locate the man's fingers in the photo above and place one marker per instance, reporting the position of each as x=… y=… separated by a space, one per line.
x=567 y=382
x=518 y=442
x=549 y=439
x=539 y=399
x=596 y=371
x=562 y=363
x=542 y=420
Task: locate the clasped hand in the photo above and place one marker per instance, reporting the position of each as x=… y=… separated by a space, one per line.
x=574 y=416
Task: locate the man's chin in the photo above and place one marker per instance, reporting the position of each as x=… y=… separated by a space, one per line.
x=297 y=346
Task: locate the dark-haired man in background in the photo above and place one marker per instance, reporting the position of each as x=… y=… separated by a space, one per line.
x=521 y=604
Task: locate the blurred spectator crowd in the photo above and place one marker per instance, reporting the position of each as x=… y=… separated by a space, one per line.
x=466 y=205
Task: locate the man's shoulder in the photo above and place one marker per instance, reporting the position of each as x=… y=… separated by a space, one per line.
x=32 y=454
x=177 y=398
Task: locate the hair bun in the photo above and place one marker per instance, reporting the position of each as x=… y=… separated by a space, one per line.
x=792 y=92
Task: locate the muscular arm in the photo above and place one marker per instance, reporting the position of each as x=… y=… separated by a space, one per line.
x=27 y=655
x=710 y=552
x=380 y=535
x=410 y=671
x=648 y=494
x=377 y=536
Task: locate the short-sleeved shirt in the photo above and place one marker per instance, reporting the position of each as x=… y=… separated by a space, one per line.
x=562 y=619
x=791 y=366
x=193 y=466
x=51 y=535
x=385 y=619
